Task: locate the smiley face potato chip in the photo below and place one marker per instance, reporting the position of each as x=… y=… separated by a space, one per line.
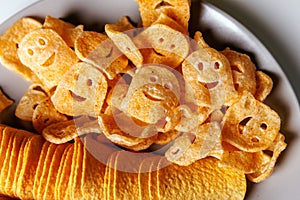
x=81 y=91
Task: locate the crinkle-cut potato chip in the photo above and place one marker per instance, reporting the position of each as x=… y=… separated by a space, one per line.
x=65 y=131
x=250 y=125
x=53 y=170
x=9 y=42
x=32 y=97
x=66 y=30
x=5 y=101
x=124 y=43
x=26 y=178
x=81 y=91
x=99 y=50
x=45 y=114
x=179 y=10
x=243 y=71
x=264 y=84
x=266 y=170
x=205 y=181
x=209 y=70
x=47 y=54
x=39 y=168
x=61 y=184
x=165 y=41
x=168 y=21
x=127 y=136
x=191 y=147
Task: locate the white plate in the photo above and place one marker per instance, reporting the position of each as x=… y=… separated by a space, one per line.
x=220 y=30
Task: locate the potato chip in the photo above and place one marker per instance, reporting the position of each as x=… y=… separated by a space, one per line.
x=245 y=162
x=191 y=147
x=67 y=154
x=243 y=71
x=168 y=21
x=125 y=23
x=95 y=158
x=97 y=49
x=165 y=41
x=32 y=97
x=175 y=9
x=267 y=169
x=208 y=181
x=20 y=139
x=5 y=164
x=66 y=30
x=26 y=178
x=9 y=42
x=133 y=137
x=166 y=137
x=53 y=171
x=65 y=131
x=264 y=85
x=5 y=101
x=61 y=185
x=208 y=75
x=76 y=172
x=45 y=114
x=122 y=40
x=39 y=169
x=40 y=179
x=250 y=125
x=154 y=179
x=47 y=54
x=81 y=91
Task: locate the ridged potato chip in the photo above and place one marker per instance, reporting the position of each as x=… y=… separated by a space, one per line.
x=212 y=182
x=250 y=125
x=81 y=91
x=47 y=54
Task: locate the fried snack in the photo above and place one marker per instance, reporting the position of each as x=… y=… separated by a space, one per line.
x=9 y=42
x=250 y=125
x=99 y=50
x=175 y=9
x=243 y=71
x=67 y=31
x=47 y=54
x=45 y=114
x=81 y=91
x=264 y=85
x=5 y=101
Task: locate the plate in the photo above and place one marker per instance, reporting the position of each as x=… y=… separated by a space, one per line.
x=220 y=30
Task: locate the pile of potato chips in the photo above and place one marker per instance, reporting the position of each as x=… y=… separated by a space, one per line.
x=144 y=88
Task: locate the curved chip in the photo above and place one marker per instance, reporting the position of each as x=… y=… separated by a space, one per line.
x=99 y=50
x=250 y=125
x=47 y=55
x=243 y=71
x=191 y=147
x=33 y=96
x=81 y=91
x=264 y=84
